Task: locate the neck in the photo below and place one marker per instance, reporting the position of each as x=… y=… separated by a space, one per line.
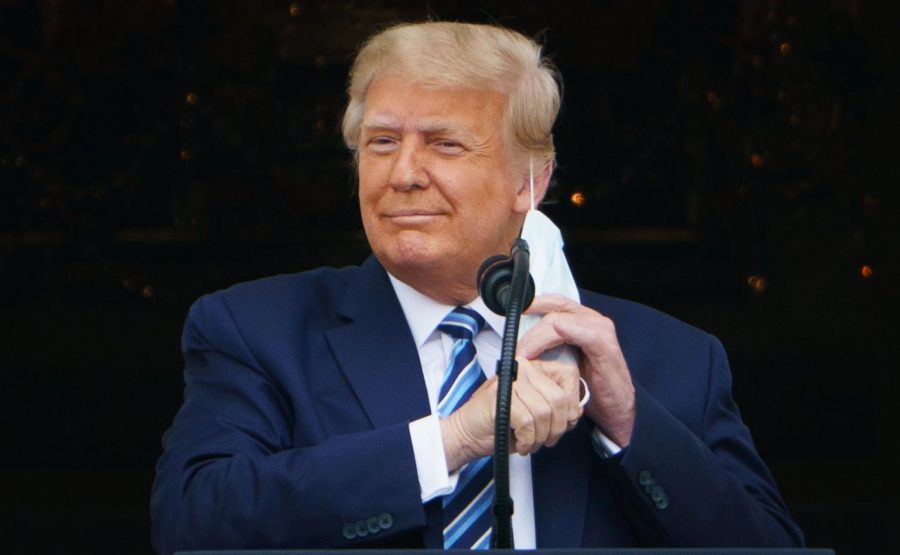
x=453 y=293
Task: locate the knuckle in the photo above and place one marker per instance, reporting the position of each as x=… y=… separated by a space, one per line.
x=596 y=334
x=559 y=398
x=527 y=424
x=607 y=324
x=553 y=368
x=523 y=444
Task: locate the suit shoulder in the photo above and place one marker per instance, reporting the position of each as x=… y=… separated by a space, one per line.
x=277 y=298
x=319 y=283
x=669 y=358
x=631 y=317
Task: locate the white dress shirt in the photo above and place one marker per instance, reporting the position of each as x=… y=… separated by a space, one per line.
x=423 y=315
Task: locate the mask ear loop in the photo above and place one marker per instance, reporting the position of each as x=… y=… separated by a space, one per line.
x=531 y=179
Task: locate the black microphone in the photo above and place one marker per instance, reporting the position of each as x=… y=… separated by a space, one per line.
x=495 y=281
x=507 y=288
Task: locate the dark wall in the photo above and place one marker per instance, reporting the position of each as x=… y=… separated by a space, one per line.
x=728 y=162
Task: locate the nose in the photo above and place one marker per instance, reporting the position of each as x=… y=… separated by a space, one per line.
x=410 y=166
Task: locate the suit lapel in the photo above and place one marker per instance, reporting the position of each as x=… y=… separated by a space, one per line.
x=376 y=351
x=560 y=477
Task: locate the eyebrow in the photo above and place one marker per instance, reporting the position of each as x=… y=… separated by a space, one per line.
x=429 y=127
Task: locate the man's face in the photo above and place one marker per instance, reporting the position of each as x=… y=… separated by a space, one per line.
x=437 y=192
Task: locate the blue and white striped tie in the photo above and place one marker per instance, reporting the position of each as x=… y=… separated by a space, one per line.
x=467 y=510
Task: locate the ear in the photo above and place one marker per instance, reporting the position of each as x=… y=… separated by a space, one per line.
x=541 y=182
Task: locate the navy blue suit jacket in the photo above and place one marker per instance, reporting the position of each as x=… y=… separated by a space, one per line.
x=294 y=429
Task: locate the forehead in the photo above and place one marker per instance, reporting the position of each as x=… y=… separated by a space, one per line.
x=397 y=103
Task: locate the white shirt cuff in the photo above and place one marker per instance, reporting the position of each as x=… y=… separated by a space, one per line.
x=604 y=446
x=431 y=462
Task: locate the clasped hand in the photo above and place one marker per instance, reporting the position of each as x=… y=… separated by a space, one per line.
x=544 y=405
x=545 y=399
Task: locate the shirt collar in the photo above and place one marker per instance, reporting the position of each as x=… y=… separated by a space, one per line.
x=424 y=314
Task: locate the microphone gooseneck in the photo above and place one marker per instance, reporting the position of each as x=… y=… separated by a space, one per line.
x=507 y=288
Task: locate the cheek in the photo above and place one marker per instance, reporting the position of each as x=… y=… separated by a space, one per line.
x=485 y=217
x=494 y=200
x=367 y=183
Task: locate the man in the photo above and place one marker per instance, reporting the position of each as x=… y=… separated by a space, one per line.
x=316 y=405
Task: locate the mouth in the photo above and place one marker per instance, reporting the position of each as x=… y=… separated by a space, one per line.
x=412 y=216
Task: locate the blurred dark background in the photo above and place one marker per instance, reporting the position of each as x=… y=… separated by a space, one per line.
x=732 y=163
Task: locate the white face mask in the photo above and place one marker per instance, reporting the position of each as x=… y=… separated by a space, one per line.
x=549 y=269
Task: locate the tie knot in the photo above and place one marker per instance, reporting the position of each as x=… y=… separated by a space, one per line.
x=462 y=323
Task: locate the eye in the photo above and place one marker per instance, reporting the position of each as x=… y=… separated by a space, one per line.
x=381 y=144
x=447 y=146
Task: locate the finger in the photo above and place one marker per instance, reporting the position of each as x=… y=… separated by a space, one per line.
x=557 y=400
x=595 y=337
x=555 y=397
x=541 y=337
x=572 y=423
x=556 y=309
x=521 y=424
x=585 y=330
x=568 y=377
x=535 y=402
x=545 y=304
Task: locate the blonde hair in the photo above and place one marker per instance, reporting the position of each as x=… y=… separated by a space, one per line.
x=468 y=55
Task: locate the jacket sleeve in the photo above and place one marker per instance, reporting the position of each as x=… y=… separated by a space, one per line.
x=231 y=477
x=681 y=488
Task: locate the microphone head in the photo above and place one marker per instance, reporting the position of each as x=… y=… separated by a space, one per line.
x=495 y=274
x=495 y=282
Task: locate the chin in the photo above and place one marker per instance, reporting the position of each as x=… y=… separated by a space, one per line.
x=411 y=262
x=420 y=262
x=409 y=252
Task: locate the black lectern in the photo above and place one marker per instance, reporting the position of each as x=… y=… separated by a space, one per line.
x=605 y=551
